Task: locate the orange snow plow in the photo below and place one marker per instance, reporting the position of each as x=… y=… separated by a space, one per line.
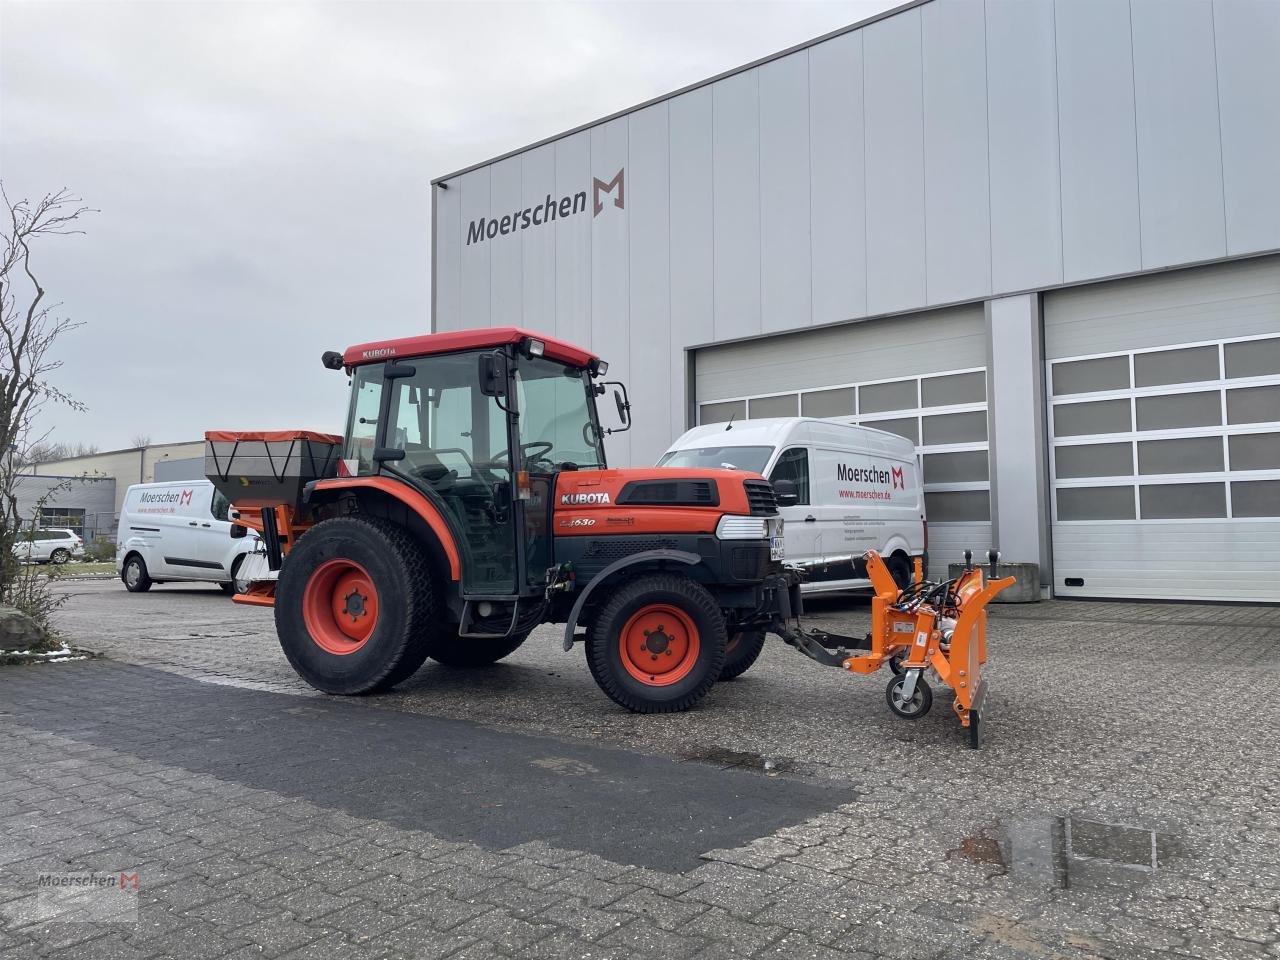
x=925 y=626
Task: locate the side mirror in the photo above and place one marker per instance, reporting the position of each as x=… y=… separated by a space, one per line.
x=785 y=491
x=494 y=373
x=621 y=401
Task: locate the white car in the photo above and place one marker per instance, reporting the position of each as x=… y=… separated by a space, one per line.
x=179 y=531
x=855 y=488
x=52 y=545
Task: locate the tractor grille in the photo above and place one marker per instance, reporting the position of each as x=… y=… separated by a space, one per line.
x=610 y=549
x=760 y=498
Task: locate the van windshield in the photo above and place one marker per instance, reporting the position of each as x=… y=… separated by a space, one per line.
x=723 y=458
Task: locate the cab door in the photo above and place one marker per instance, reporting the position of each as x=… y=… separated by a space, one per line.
x=800 y=527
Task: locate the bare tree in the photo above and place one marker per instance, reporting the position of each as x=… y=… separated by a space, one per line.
x=48 y=451
x=140 y=440
x=29 y=328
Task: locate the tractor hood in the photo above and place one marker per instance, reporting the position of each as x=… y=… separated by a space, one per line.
x=653 y=499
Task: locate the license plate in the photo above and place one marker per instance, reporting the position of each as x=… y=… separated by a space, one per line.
x=777 y=549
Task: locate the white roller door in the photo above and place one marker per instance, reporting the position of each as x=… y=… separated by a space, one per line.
x=922 y=376
x=1164 y=419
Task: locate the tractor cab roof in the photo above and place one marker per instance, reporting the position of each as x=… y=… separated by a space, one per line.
x=457 y=340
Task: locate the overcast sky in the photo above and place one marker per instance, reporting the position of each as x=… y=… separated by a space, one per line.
x=262 y=171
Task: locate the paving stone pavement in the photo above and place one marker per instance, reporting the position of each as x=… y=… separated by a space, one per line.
x=264 y=820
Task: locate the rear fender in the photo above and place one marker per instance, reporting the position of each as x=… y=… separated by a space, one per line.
x=441 y=544
x=643 y=558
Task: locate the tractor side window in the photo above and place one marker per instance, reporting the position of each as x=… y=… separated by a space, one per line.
x=793 y=465
x=362 y=425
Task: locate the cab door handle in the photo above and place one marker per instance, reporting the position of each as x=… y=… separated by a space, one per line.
x=192 y=523
x=206 y=524
x=811 y=519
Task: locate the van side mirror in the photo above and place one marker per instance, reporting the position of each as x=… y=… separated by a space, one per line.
x=785 y=492
x=493 y=374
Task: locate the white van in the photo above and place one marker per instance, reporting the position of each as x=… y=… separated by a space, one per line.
x=178 y=531
x=856 y=489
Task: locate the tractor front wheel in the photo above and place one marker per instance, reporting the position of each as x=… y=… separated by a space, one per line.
x=657 y=644
x=468 y=652
x=354 y=604
x=741 y=652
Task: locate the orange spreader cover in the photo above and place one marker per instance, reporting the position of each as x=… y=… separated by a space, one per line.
x=222 y=436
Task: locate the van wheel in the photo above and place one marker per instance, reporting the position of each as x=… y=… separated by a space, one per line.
x=354 y=605
x=134 y=575
x=235 y=585
x=454 y=651
x=657 y=644
x=741 y=652
x=900 y=568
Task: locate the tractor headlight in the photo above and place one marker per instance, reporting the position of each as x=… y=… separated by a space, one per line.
x=733 y=527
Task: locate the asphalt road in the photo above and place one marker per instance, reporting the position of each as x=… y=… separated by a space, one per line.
x=1125 y=802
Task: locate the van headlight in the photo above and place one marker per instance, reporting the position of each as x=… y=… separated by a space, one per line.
x=733 y=527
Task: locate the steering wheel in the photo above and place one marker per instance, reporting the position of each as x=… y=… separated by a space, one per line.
x=532 y=451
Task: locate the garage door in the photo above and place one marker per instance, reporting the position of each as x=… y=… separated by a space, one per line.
x=921 y=376
x=1164 y=418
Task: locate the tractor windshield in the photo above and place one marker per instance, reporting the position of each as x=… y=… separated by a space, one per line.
x=557 y=424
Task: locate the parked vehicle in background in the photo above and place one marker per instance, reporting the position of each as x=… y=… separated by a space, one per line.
x=52 y=545
x=856 y=489
x=178 y=531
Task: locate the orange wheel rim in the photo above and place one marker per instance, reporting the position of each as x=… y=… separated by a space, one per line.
x=733 y=642
x=659 y=645
x=340 y=606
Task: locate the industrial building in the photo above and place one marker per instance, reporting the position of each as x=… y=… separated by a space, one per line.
x=1040 y=239
x=86 y=493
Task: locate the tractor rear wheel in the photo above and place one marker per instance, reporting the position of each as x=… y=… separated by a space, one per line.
x=657 y=644
x=454 y=651
x=741 y=652
x=354 y=605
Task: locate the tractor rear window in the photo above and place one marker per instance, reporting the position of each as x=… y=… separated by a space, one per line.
x=720 y=458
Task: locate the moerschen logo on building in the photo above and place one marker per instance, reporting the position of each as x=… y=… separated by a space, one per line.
x=551 y=209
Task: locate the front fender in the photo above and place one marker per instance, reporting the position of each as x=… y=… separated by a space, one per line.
x=644 y=556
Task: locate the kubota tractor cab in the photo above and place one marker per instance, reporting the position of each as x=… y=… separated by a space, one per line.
x=469 y=501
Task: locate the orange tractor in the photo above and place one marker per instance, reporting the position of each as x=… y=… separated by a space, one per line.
x=469 y=501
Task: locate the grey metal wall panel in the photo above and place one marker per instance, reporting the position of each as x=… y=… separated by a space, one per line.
x=692 y=298
x=1100 y=229
x=894 y=124
x=838 y=180
x=1238 y=299
x=957 y=198
x=446 y=257
x=475 y=293
x=1247 y=34
x=786 y=268
x=610 y=293
x=736 y=199
x=649 y=333
x=1179 y=150
x=505 y=264
x=1138 y=559
x=573 y=243
x=538 y=245
x=870 y=350
x=1022 y=117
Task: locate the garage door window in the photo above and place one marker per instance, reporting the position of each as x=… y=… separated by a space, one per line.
x=943 y=413
x=1185 y=433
